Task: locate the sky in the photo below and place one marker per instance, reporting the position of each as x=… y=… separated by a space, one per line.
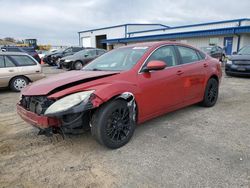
x=57 y=22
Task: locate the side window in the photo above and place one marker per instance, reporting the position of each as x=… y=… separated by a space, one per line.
x=202 y=55
x=76 y=49
x=1 y=62
x=92 y=53
x=100 y=52
x=8 y=62
x=188 y=55
x=22 y=60
x=165 y=54
x=68 y=50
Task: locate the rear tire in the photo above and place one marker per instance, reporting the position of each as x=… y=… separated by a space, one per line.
x=111 y=124
x=211 y=93
x=18 y=83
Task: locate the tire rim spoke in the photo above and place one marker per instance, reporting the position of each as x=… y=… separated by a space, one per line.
x=118 y=126
x=212 y=93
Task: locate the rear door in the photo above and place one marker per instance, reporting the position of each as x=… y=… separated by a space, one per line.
x=161 y=89
x=91 y=54
x=7 y=71
x=194 y=73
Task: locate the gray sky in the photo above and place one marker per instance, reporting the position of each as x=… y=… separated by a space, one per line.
x=57 y=22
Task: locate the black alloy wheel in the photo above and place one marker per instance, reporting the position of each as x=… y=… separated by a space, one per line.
x=111 y=124
x=211 y=93
x=118 y=126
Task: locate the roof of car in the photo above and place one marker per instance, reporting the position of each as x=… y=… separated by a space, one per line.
x=13 y=53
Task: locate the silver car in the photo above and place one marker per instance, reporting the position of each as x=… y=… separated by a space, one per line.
x=18 y=69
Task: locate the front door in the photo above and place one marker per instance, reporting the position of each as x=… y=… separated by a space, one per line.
x=228 y=43
x=162 y=89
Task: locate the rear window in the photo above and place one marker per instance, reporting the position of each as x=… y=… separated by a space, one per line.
x=22 y=60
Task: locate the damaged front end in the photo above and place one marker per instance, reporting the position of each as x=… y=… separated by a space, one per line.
x=70 y=114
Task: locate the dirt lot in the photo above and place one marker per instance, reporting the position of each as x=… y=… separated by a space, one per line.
x=192 y=147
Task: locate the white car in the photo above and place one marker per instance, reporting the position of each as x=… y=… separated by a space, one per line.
x=18 y=69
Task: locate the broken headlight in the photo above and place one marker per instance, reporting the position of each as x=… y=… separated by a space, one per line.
x=66 y=103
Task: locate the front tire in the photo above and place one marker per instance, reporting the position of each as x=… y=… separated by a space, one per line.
x=211 y=93
x=78 y=65
x=18 y=83
x=111 y=124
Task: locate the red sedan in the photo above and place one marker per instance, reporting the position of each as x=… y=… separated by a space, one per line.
x=122 y=88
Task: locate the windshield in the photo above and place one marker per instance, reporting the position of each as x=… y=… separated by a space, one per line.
x=117 y=60
x=81 y=53
x=244 y=51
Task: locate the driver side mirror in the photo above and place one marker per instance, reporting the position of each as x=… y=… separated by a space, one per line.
x=234 y=53
x=155 y=65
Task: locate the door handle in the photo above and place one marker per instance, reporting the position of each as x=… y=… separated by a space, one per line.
x=11 y=70
x=205 y=65
x=179 y=72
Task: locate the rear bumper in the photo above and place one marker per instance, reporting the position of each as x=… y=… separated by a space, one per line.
x=36 y=120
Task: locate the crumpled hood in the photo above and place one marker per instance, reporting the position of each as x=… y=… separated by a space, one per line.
x=67 y=79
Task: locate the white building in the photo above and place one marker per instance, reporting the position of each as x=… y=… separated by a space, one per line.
x=231 y=34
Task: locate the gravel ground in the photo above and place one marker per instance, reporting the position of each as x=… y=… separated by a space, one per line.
x=192 y=147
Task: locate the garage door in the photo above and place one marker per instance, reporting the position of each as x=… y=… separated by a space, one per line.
x=86 y=41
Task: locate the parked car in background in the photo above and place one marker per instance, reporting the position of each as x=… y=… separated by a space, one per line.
x=238 y=64
x=42 y=53
x=81 y=58
x=215 y=52
x=47 y=58
x=54 y=57
x=18 y=69
x=29 y=50
x=122 y=88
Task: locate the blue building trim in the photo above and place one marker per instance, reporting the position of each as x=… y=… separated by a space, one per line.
x=202 y=33
x=193 y=25
x=122 y=25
